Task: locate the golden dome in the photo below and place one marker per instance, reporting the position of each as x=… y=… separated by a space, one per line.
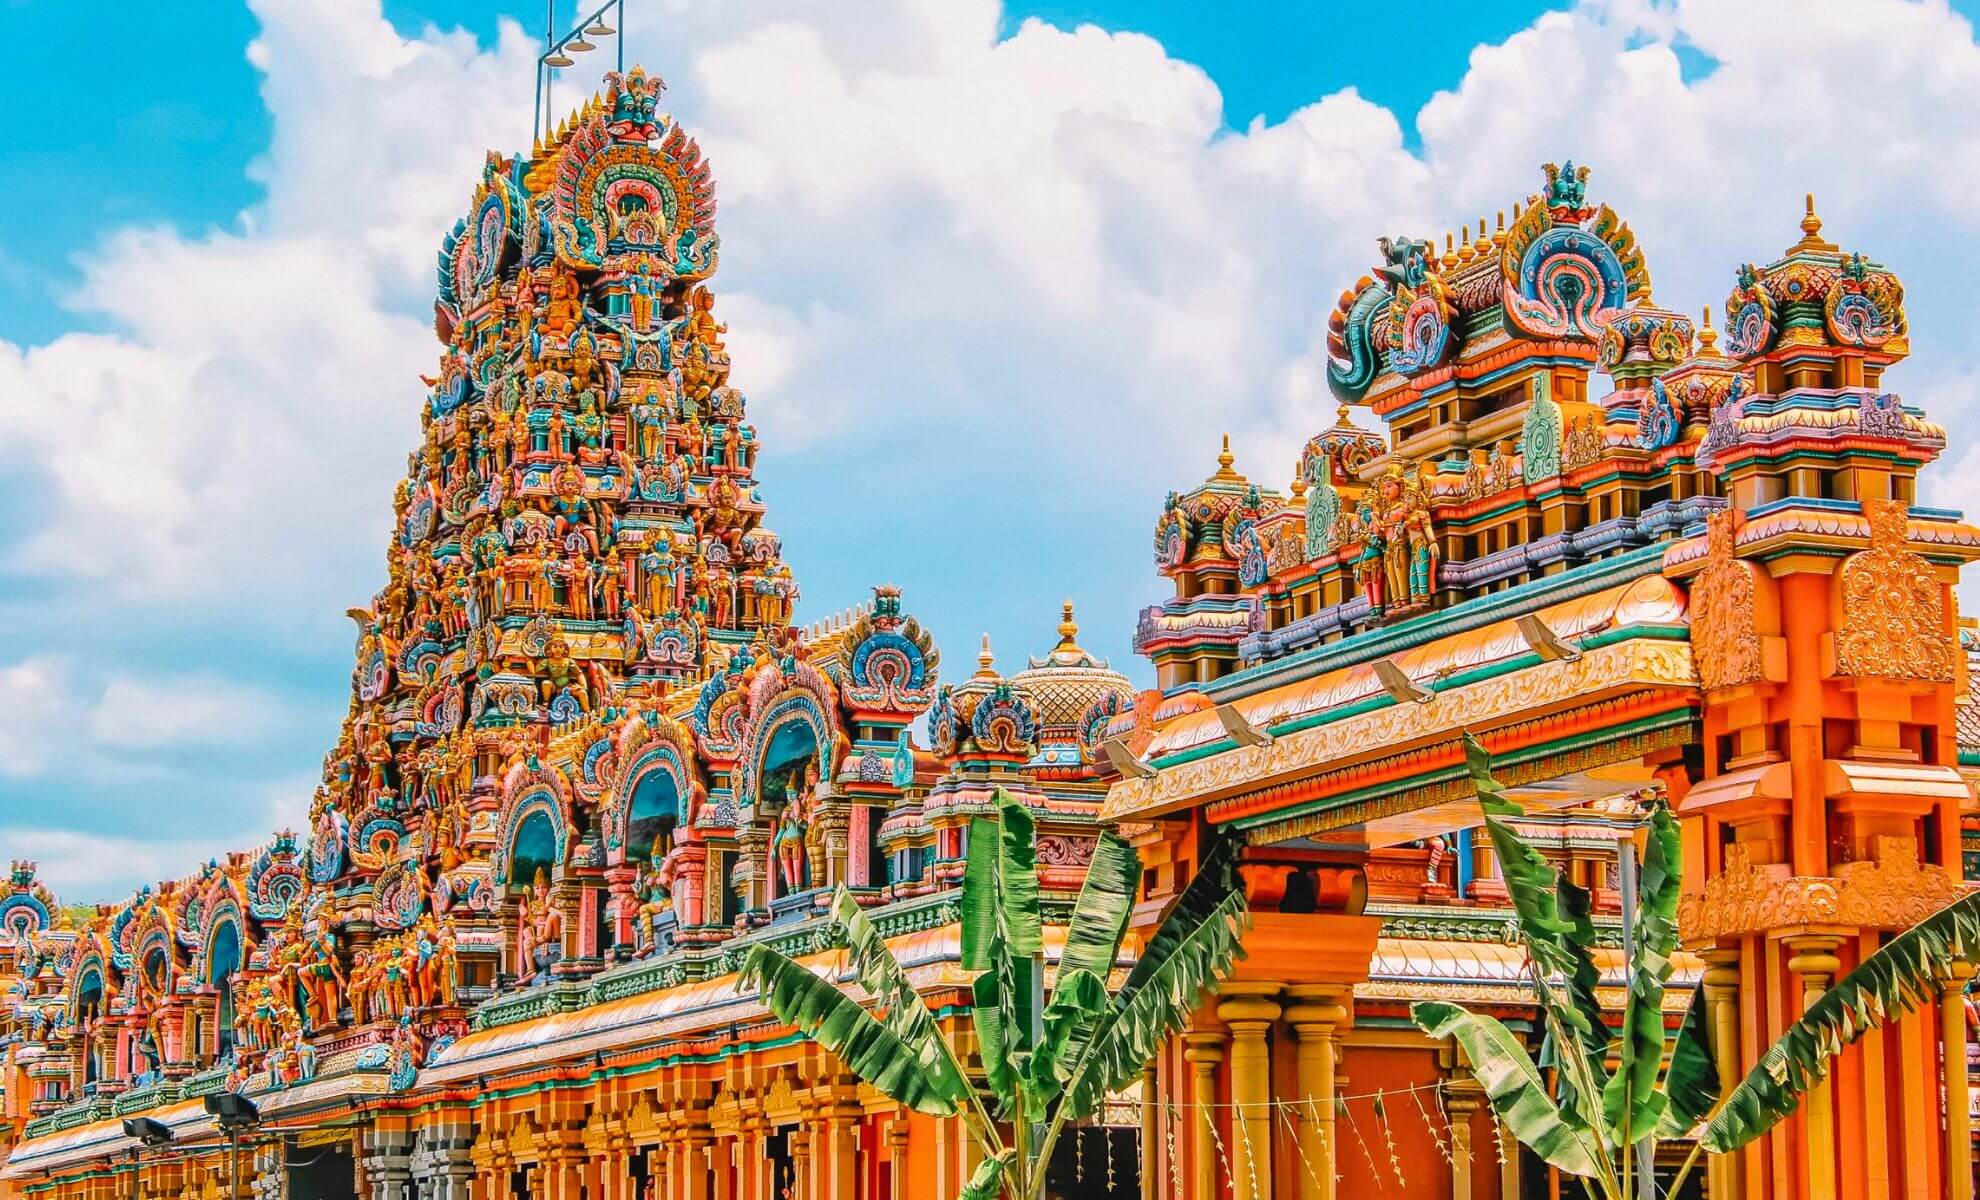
x=1066 y=683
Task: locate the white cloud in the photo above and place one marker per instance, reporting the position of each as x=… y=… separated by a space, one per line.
x=150 y=714
x=1000 y=287
x=36 y=707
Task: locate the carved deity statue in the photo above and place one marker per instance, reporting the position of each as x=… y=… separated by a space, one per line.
x=539 y=932
x=1398 y=569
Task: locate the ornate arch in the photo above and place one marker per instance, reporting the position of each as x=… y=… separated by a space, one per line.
x=654 y=744
x=531 y=792
x=797 y=693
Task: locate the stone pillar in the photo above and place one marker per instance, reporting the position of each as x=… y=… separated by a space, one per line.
x=1814 y=959
x=387 y=1162
x=897 y=1151
x=1315 y=1013
x=1250 y=1009
x=1959 y=1112
x=836 y=1152
x=1464 y=1098
x=1723 y=1172
x=704 y=1167
x=1203 y=1051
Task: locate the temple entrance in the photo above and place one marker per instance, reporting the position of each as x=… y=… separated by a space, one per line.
x=783 y=1171
x=324 y=1172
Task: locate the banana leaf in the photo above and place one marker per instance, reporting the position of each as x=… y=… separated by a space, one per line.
x=880 y=974
x=1691 y=1082
x=1079 y=1001
x=1017 y=878
x=1631 y=1104
x=1099 y=918
x=908 y=1072
x=1903 y=975
x=1553 y=913
x=987 y=1012
x=1093 y=942
x=1193 y=948
x=978 y=905
x=1516 y=1088
x=988 y=1177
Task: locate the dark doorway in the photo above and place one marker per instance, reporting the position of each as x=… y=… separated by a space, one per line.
x=321 y=1172
x=1082 y=1160
x=783 y=1172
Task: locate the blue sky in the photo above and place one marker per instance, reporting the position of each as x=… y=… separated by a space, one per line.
x=996 y=278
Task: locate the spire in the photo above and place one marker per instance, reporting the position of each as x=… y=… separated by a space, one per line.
x=1811 y=231
x=1068 y=628
x=1708 y=337
x=1224 y=460
x=986 y=662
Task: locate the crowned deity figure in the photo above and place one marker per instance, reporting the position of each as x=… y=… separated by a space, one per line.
x=800 y=804
x=655 y=895
x=1398 y=569
x=539 y=932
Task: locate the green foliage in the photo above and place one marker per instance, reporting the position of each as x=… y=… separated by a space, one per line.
x=1631 y=1104
x=834 y=1020
x=1904 y=974
x=1517 y=1089
x=1047 y=1067
x=1566 y=1129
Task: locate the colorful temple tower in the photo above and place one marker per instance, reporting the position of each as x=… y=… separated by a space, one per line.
x=590 y=760
x=1629 y=560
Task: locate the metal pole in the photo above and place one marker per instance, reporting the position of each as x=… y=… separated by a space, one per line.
x=1646 y=1150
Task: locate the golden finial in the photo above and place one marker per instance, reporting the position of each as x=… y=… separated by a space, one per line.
x=986 y=662
x=1811 y=230
x=1450 y=258
x=1224 y=460
x=1068 y=628
x=1298 y=487
x=1499 y=235
x=1515 y=212
x=1708 y=337
x=1341 y=416
x=1465 y=252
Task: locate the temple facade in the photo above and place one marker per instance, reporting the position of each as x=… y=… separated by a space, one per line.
x=590 y=759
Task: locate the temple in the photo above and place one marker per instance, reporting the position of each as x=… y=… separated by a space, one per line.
x=590 y=758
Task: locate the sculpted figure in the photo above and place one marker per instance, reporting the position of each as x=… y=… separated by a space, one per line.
x=539 y=933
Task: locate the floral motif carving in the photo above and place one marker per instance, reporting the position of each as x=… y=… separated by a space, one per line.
x=1893 y=606
x=1893 y=890
x=1725 y=634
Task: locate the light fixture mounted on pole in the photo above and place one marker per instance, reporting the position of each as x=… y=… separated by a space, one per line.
x=234 y=1114
x=557 y=51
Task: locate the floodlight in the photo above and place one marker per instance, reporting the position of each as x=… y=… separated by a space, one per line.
x=231 y=1110
x=148 y=1131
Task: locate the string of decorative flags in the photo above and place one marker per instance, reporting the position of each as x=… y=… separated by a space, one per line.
x=1382 y=1155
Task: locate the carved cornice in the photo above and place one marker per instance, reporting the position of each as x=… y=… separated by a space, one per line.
x=1893 y=890
x=1634 y=663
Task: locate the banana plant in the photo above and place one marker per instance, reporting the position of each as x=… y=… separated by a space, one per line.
x=1046 y=1062
x=1593 y=1122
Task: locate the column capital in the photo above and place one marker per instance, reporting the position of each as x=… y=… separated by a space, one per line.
x=1244 y=1003
x=1316 y=1009
x=1200 y=1047
x=1814 y=957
